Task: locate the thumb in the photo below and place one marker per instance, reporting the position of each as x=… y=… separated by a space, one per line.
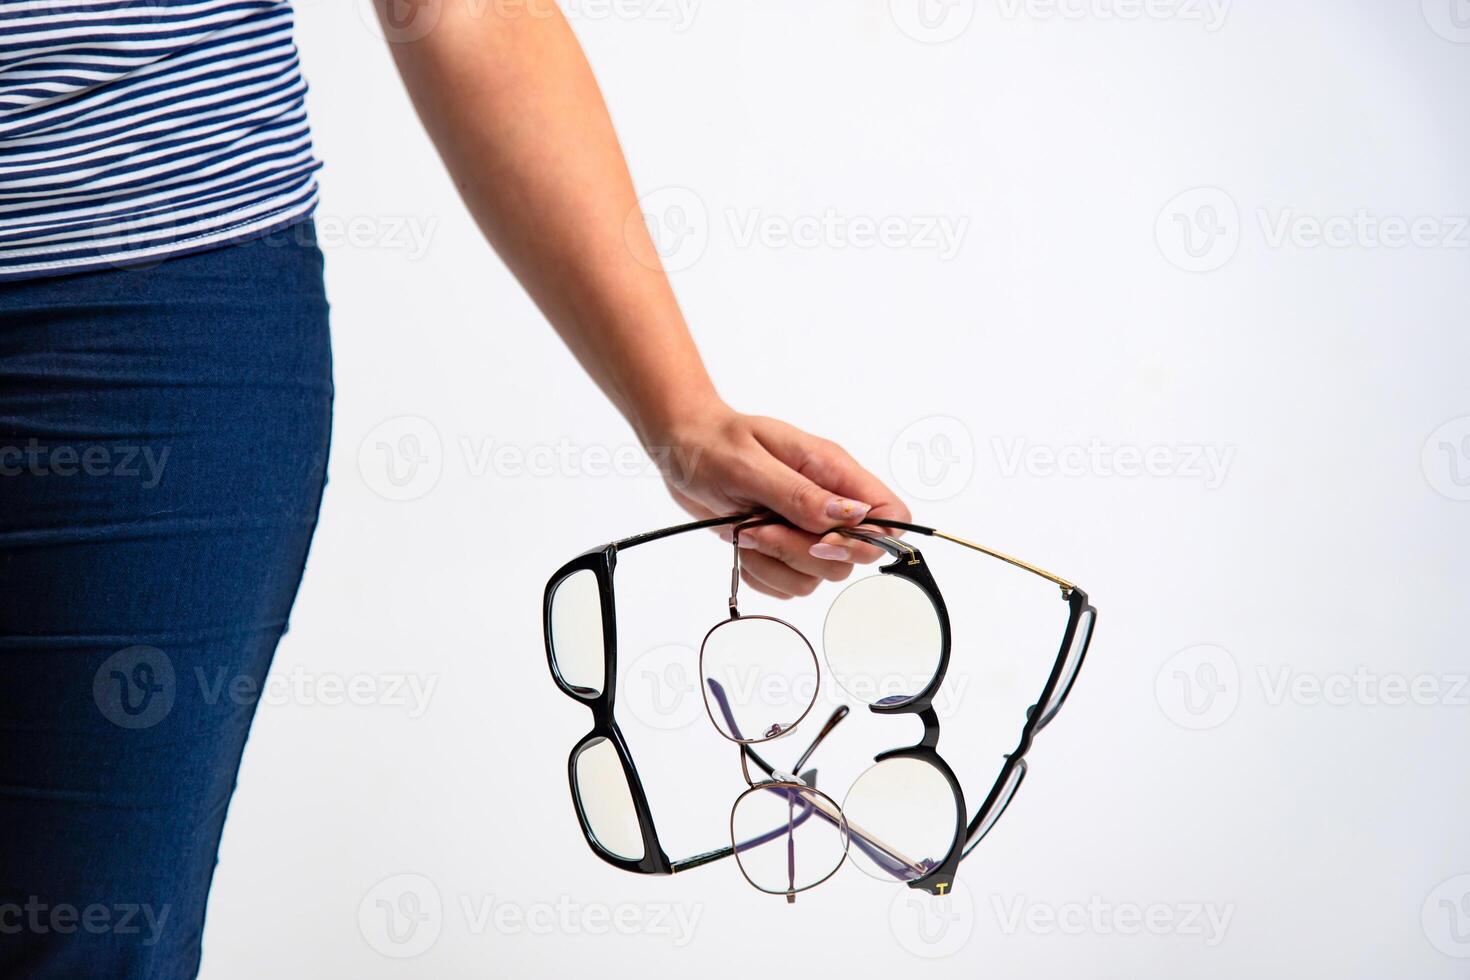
x=779 y=488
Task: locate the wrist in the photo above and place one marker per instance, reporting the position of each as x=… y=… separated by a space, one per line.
x=669 y=422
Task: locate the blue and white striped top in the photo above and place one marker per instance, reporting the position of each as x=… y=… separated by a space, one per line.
x=136 y=129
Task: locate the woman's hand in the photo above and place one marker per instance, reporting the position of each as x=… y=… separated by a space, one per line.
x=720 y=462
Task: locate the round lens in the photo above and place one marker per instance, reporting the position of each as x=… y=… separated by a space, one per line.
x=576 y=632
x=902 y=817
x=787 y=837
x=759 y=677
x=605 y=800
x=883 y=640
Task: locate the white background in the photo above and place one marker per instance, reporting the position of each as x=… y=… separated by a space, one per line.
x=1240 y=749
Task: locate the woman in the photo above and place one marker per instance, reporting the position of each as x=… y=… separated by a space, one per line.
x=165 y=399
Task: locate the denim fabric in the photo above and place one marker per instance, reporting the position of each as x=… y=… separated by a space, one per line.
x=163 y=449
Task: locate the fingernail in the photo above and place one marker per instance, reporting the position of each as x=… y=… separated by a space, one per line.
x=831 y=552
x=842 y=509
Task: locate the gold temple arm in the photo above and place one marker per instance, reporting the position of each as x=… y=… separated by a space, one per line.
x=1066 y=586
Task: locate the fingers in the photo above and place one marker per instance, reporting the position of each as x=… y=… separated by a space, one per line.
x=762 y=463
x=830 y=467
x=756 y=585
x=772 y=483
x=793 y=548
x=776 y=578
x=842 y=548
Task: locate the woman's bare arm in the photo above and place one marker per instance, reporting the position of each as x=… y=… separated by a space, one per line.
x=510 y=101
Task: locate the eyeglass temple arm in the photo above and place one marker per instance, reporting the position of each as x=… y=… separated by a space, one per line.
x=887 y=857
x=808 y=777
x=1057 y=580
x=718 y=853
x=754 y=519
x=887 y=542
x=622 y=544
x=723 y=701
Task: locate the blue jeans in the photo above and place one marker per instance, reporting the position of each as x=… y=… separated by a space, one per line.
x=163 y=448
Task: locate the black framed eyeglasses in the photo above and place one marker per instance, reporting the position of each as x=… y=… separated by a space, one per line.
x=900 y=609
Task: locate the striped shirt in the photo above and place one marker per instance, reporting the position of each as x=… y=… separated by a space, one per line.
x=136 y=129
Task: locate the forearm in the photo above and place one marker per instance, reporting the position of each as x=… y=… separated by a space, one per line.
x=510 y=101
x=512 y=106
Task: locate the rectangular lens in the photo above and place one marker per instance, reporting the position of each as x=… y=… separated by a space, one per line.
x=576 y=633
x=605 y=800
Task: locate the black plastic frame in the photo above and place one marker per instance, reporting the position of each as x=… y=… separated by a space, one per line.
x=602 y=562
x=1078 y=604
